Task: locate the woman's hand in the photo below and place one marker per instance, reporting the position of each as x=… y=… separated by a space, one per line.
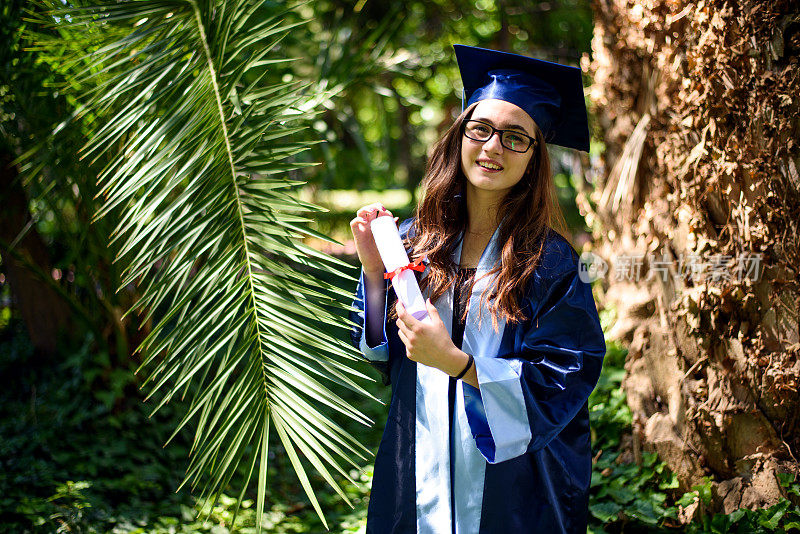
x=429 y=343
x=362 y=235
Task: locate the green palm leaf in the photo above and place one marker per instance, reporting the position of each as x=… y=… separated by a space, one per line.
x=199 y=129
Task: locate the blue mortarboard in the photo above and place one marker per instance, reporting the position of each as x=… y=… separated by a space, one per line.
x=552 y=94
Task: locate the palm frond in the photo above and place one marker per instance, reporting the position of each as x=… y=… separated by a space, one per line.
x=189 y=102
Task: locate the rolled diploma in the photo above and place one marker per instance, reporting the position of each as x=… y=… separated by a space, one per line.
x=393 y=254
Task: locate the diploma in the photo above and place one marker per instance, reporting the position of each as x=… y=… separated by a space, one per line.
x=399 y=268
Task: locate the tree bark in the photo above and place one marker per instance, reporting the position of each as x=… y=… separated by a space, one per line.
x=44 y=312
x=697 y=103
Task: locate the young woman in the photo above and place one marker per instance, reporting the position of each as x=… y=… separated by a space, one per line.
x=488 y=425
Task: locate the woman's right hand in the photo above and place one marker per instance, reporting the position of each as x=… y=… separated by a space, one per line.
x=365 y=244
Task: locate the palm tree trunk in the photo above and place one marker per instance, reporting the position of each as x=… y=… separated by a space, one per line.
x=698 y=107
x=43 y=311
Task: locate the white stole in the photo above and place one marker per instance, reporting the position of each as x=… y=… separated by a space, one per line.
x=432 y=444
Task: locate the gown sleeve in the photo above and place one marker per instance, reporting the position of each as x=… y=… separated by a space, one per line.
x=528 y=395
x=358 y=335
x=377 y=355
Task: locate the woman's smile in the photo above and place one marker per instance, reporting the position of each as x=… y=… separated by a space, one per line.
x=489 y=165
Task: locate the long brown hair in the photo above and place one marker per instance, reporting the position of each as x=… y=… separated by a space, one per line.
x=531 y=207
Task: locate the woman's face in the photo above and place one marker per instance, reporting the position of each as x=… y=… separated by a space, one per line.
x=507 y=166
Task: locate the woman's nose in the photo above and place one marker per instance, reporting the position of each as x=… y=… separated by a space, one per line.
x=494 y=143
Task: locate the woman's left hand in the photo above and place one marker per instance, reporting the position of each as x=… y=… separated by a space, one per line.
x=428 y=343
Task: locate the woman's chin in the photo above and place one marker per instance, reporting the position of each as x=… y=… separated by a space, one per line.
x=487 y=177
x=486 y=184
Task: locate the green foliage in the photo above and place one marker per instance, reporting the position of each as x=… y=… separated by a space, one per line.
x=70 y=456
x=622 y=491
x=189 y=104
x=72 y=462
x=784 y=516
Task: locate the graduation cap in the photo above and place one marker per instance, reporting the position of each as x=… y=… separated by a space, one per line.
x=552 y=94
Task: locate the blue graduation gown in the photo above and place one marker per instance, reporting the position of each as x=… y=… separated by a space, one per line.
x=516 y=457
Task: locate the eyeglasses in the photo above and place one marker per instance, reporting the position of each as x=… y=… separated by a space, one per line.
x=510 y=139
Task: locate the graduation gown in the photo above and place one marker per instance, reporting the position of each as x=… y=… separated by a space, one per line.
x=516 y=455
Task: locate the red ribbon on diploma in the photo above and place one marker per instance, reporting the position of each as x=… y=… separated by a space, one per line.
x=415 y=265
